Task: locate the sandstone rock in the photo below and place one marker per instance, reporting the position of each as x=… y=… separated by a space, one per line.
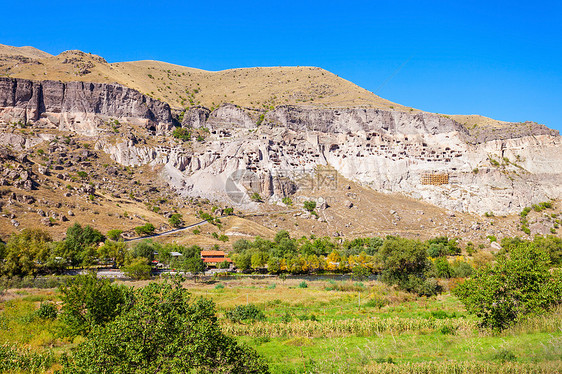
x=347 y=204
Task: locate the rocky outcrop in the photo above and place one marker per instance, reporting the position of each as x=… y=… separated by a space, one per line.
x=230 y=115
x=365 y=120
x=195 y=117
x=78 y=106
x=505 y=131
x=387 y=151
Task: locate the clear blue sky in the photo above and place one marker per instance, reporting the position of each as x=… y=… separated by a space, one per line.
x=502 y=59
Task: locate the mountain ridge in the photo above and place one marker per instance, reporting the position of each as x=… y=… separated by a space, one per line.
x=181 y=87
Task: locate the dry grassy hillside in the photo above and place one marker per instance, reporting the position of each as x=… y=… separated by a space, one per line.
x=182 y=87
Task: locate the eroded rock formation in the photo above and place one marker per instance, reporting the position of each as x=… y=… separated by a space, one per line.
x=423 y=155
x=78 y=106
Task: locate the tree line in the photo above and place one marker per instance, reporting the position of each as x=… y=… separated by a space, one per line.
x=33 y=252
x=413 y=265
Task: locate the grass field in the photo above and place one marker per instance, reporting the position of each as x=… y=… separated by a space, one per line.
x=336 y=327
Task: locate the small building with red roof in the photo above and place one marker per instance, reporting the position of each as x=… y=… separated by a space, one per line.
x=213 y=258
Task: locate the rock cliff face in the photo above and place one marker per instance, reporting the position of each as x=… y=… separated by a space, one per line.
x=78 y=106
x=426 y=156
x=281 y=151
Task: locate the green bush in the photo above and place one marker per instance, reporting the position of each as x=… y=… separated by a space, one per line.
x=461 y=269
x=256 y=197
x=163 y=330
x=138 y=268
x=442 y=268
x=88 y=302
x=176 y=220
x=518 y=285
x=303 y=284
x=114 y=234
x=361 y=272
x=405 y=264
x=182 y=134
x=145 y=230
x=287 y=201
x=376 y=302
x=504 y=355
x=47 y=310
x=309 y=205
x=243 y=313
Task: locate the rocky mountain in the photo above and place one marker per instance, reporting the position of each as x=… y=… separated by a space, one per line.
x=255 y=157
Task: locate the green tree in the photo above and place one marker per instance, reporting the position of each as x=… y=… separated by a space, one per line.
x=243 y=261
x=176 y=220
x=75 y=248
x=115 y=251
x=519 y=284
x=361 y=272
x=26 y=253
x=145 y=249
x=281 y=234
x=194 y=265
x=138 y=268
x=273 y=265
x=405 y=264
x=164 y=331
x=145 y=230
x=88 y=302
x=114 y=234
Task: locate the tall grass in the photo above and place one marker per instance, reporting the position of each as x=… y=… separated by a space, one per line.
x=550 y=322
x=349 y=327
x=448 y=367
x=14 y=359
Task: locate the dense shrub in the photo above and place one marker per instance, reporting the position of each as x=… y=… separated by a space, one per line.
x=518 y=285
x=89 y=302
x=182 y=134
x=176 y=220
x=114 y=234
x=309 y=205
x=138 y=268
x=47 y=310
x=163 y=331
x=145 y=230
x=243 y=313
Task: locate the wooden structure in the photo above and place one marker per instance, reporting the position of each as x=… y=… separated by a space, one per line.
x=434 y=179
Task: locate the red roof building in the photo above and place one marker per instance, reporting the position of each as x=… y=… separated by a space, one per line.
x=214 y=257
